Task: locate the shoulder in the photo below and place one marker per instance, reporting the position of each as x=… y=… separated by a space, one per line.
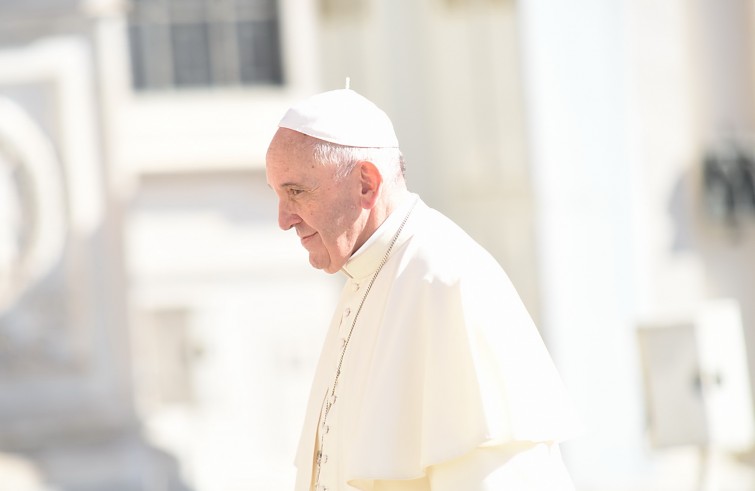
x=442 y=265
x=441 y=252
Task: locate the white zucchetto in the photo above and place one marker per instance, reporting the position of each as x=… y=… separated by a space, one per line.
x=344 y=117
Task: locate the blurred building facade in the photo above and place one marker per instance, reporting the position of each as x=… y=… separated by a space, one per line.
x=159 y=332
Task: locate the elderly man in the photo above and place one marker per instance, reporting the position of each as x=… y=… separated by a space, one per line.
x=432 y=375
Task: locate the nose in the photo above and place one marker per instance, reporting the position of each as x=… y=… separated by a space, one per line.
x=286 y=218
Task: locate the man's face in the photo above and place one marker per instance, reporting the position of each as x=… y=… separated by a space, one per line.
x=325 y=212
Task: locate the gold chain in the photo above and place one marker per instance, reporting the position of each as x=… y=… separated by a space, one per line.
x=332 y=391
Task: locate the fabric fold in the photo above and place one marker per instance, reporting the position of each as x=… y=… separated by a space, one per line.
x=446 y=360
x=457 y=378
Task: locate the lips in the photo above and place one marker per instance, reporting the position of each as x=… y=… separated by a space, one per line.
x=306 y=238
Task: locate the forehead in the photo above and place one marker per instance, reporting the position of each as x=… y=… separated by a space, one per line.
x=290 y=153
x=289 y=145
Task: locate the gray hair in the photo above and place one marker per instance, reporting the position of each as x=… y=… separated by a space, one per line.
x=389 y=161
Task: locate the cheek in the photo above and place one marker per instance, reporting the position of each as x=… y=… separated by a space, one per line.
x=336 y=223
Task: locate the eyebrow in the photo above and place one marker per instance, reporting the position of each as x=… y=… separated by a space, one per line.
x=291 y=185
x=287 y=185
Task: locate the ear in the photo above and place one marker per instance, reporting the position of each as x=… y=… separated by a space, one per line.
x=371 y=182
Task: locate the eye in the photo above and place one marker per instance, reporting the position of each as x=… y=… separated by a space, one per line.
x=294 y=192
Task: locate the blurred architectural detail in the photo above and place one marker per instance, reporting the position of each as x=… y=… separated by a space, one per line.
x=66 y=268
x=727 y=120
x=20 y=474
x=166 y=358
x=32 y=223
x=204 y=44
x=34 y=230
x=697 y=387
x=697 y=382
x=66 y=398
x=474 y=3
x=341 y=9
x=729 y=182
x=622 y=100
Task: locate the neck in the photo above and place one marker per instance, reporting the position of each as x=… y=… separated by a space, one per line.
x=389 y=200
x=386 y=204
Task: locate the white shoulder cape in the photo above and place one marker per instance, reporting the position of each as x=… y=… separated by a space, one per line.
x=455 y=363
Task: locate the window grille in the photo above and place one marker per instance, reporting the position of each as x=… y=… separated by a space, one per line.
x=178 y=44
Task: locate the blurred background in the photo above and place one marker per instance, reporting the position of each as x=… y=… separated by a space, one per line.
x=159 y=333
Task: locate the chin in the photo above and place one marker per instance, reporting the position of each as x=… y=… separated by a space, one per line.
x=321 y=266
x=327 y=264
x=330 y=270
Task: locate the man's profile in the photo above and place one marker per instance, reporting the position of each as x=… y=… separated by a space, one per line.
x=432 y=376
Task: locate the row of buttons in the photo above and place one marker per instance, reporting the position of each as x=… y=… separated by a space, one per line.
x=355 y=286
x=346 y=314
x=322 y=458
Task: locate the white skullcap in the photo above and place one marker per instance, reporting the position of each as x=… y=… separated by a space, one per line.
x=343 y=117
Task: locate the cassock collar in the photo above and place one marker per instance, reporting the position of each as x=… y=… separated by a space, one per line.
x=367 y=258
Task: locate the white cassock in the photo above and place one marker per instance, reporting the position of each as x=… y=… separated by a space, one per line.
x=445 y=385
